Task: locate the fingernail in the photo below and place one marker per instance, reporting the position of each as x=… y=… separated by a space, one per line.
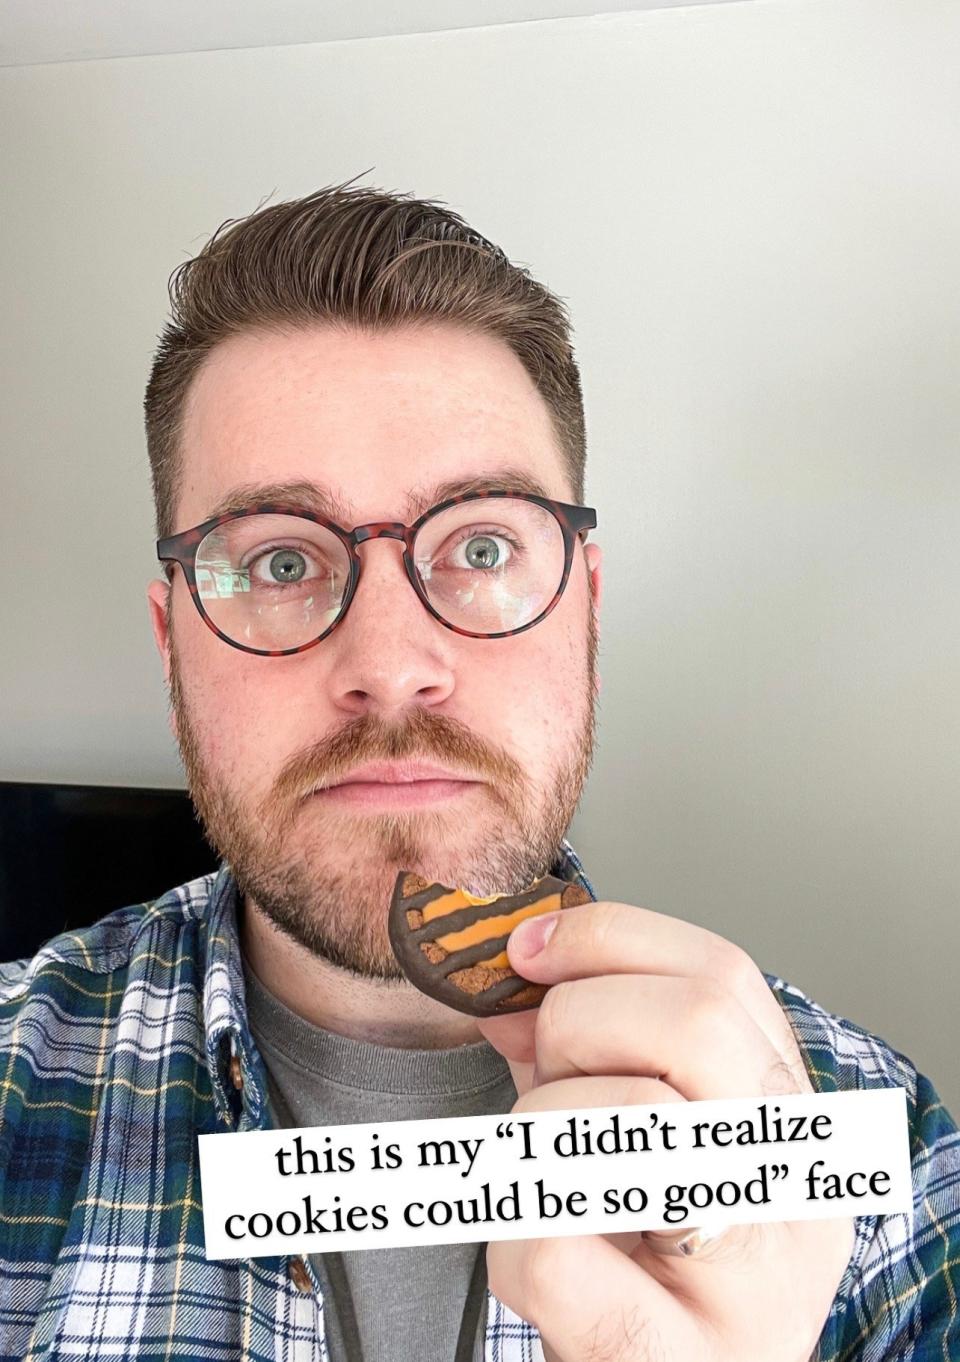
x=531 y=936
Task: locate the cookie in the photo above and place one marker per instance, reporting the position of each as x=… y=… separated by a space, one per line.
x=453 y=946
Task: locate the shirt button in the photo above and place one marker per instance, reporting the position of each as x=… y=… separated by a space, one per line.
x=297 y=1270
x=235 y=1074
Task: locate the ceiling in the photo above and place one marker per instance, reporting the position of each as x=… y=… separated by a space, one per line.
x=38 y=31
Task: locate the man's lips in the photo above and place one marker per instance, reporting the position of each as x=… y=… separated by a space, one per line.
x=400 y=773
x=396 y=784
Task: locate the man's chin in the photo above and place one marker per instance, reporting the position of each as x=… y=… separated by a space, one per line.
x=379 y=845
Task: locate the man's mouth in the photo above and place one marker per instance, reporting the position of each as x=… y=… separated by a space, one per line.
x=402 y=785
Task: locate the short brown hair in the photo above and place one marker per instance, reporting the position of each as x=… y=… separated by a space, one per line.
x=354 y=257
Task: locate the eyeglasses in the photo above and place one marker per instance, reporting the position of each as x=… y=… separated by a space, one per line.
x=273 y=580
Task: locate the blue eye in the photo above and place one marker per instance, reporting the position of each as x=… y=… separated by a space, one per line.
x=276 y=566
x=287 y=565
x=483 y=552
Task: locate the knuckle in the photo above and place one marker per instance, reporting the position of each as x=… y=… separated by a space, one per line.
x=599 y=928
x=709 y=1007
x=641 y=1091
x=554 y=1015
x=731 y=966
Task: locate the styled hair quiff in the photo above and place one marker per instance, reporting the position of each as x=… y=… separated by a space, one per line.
x=361 y=258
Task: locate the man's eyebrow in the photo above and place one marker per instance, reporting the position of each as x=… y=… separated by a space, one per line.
x=298 y=495
x=503 y=480
x=314 y=496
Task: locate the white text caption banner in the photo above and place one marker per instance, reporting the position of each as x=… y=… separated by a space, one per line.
x=590 y=1170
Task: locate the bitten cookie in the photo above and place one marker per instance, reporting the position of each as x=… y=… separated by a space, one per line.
x=453 y=946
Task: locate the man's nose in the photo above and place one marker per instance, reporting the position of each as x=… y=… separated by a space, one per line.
x=388 y=652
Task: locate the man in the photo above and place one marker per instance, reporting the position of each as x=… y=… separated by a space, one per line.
x=374 y=667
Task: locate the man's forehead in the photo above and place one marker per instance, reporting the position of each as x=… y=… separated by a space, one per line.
x=363 y=427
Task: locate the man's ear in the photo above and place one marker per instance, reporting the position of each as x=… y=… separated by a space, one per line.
x=593 y=553
x=158 y=596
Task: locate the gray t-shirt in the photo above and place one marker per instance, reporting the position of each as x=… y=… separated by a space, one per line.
x=408 y=1301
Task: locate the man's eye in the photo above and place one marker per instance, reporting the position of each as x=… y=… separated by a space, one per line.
x=483 y=551
x=286 y=566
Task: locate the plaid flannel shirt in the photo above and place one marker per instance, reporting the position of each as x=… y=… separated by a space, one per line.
x=118 y=1045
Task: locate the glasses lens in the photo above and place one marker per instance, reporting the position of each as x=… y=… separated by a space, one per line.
x=272 y=581
x=490 y=565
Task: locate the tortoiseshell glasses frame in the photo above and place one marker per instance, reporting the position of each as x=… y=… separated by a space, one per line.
x=574 y=522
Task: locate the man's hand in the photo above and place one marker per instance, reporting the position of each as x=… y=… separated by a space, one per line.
x=647 y=1008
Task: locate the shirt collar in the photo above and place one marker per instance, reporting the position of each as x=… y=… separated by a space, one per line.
x=232 y=1057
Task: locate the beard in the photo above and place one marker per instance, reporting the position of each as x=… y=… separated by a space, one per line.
x=326 y=881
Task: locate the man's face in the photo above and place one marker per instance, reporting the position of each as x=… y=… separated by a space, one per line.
x=374 y=419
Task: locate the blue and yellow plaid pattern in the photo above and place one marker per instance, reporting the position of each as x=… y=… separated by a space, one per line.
x=117 y=1045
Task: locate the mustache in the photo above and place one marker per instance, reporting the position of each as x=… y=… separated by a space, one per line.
x=422 y=734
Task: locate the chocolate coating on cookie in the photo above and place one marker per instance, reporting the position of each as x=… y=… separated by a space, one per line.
x=453 y=946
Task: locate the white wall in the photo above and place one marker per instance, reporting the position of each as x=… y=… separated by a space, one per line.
x=752 y=210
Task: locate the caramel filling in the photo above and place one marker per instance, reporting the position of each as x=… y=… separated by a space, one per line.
x=486 y=928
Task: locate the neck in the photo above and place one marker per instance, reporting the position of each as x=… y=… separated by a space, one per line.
x=386 y=1012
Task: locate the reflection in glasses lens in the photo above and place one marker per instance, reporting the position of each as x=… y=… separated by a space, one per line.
x=275 y=582
x=272 y=581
